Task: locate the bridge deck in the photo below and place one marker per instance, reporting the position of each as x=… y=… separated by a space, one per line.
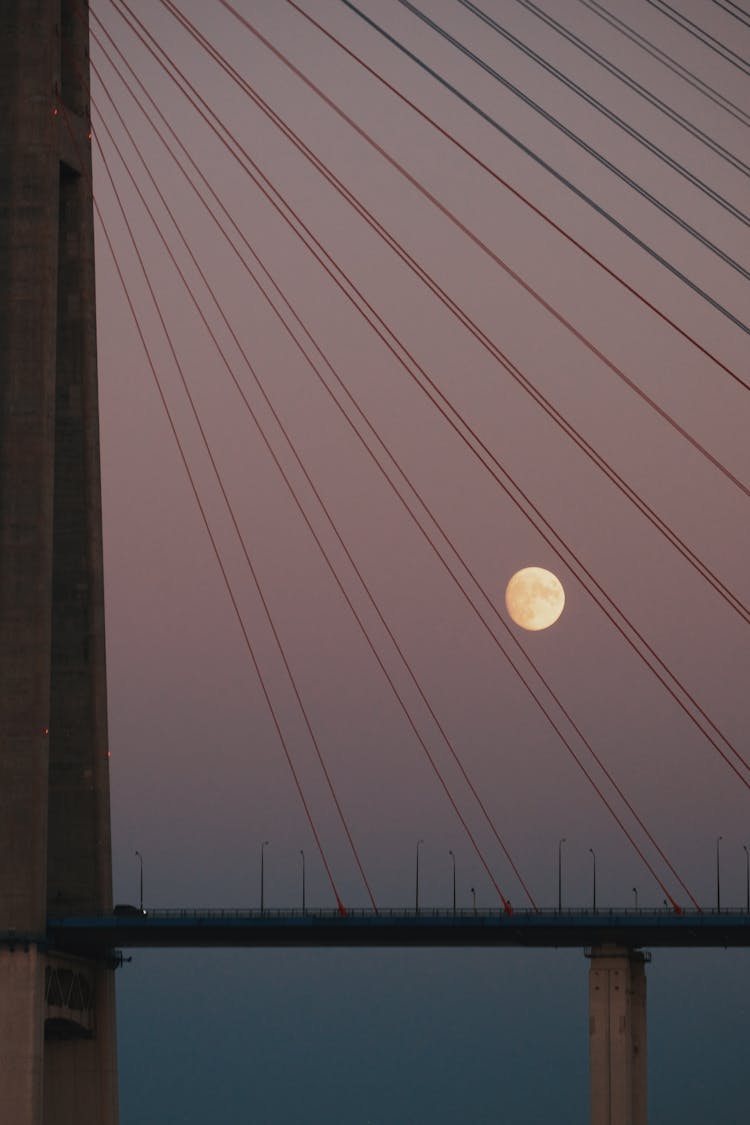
x=399 y=927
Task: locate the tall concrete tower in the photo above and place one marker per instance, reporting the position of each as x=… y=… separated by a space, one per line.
x=57 y=1026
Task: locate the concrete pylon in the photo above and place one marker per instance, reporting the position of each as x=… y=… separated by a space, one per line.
x=57 y=1025
x=617 y=1036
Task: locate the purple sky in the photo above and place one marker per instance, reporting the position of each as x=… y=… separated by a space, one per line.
x=198 y=776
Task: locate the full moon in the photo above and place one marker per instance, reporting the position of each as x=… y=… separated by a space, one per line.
x=534 y=598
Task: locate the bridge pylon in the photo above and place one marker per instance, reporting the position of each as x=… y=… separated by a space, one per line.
x=57 y=1015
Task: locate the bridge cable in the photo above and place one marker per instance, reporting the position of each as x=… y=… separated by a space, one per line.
x=374 y=223
x=630 y=807
x=486 y=453
x=307 y=520
x=704 y=37
x=578 y=192
x=195 y=492
x=315 y=491
x=635 y=134
x=325 y=171
x=740 y=14
x=521 y=197
x=541 y=400
x=234 y=248
x=669 y=61
x=577 y=140
x=407 y=258
x=628 y=80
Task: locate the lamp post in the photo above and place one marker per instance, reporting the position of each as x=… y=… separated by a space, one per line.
x=473 y=898
x=140 y=883
x=635 y=896
x=559 y=873
x=747 y=878
x=303 y=879
x=593 y=856
x=718 y=875
x=416 y=889
x=263 y=847
x=450 y=853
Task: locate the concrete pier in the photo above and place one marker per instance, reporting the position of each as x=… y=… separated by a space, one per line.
x=55 y=1068
x=617 y=1036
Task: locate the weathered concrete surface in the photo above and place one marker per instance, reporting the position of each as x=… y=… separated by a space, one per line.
x=79 y=860
x=54 y=787
x=21 y=1034
x=617 y=1036
x=29 y=177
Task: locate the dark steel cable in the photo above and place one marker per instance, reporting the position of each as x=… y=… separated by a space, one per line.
x=668 y=61
x=628 y=80
x=578 y=192
x=635 y=134
x=739 y=15
x=577 y=140
x=701 y=35
x=520 y=196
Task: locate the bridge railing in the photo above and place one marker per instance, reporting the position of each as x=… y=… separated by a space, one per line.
x=441 y=913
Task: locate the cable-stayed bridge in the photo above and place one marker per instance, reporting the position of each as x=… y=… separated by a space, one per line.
x=391 y=302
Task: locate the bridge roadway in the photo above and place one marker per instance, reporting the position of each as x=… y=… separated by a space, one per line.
x=128 y=928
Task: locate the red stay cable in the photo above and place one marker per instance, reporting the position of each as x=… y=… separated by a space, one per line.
x=473 y=606
x=196 y=495
x=483 y=447
x=310 y=527
x=472 y=839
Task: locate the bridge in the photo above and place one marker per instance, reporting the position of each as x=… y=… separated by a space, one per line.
x=389 y=928
x=390 y=301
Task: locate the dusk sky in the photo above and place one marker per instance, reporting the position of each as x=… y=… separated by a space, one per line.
x=199 y=777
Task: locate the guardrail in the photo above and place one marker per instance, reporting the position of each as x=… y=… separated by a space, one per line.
x=184 y=927
x=439 y=913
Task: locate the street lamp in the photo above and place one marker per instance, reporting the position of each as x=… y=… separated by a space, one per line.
x=416 y=894
x=450 y=853
x=473 y=898
x=140 y=884
x=718 y=875
x=635 y=896
x=593 y=856
x=747 y=878
x=559 y=873
x=303 y=879
x=263 y=847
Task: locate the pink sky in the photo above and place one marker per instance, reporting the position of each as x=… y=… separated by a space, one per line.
x=198 y=777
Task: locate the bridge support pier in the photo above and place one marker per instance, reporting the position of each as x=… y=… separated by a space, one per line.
x=57 y=1044
x=617 y=1036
